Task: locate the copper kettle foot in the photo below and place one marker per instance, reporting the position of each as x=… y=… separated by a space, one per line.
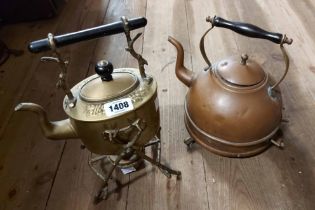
x=278 y=143
x=189 y=142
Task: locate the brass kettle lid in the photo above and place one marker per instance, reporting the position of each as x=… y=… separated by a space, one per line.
x=109 y=84
x=240 y=72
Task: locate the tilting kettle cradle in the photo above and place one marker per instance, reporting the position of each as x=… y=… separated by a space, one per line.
x=233 y=108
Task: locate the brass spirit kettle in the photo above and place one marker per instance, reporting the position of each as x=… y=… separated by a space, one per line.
x=114 y=112
x=234 y=107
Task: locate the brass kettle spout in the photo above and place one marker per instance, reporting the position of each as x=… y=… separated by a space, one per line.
x=182 y=73
x=58 y=130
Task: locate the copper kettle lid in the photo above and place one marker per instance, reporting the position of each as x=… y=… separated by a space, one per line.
x=110 y=84
x=240 y=72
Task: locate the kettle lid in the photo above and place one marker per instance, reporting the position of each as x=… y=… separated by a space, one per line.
x=243 y=73
x=122 y=83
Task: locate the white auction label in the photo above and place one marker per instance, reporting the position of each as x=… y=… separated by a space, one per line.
x=118 y=107
x=128 y=170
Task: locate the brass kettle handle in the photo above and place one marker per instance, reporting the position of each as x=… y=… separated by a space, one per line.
x=86 y=34
x=248 y=30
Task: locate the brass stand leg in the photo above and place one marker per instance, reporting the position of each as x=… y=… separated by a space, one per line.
x=102 y=195
x=155 y=148
x=93 y=160
x=164 y=169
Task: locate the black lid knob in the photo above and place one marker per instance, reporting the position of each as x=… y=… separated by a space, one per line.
x=104 y=68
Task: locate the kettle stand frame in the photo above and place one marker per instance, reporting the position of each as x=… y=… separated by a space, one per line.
x=127 y=149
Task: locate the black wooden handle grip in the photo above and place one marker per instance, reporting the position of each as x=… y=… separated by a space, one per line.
x=249 y=30
x=87 y=34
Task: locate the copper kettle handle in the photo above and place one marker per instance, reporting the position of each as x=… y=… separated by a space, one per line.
x=248 y=30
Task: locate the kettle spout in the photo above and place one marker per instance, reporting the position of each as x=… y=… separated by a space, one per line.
x=57 y=130
x=182 y=73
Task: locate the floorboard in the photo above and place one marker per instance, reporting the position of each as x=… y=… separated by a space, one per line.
x=36 y=173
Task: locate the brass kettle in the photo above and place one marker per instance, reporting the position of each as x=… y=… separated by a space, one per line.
x=115 y=112
x=233 y=108
x=107 y=109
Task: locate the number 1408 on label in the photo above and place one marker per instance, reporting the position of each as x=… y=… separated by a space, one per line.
x=118 y=107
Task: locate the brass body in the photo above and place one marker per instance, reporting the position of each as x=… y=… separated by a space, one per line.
x=100 y=133
x=233 y=108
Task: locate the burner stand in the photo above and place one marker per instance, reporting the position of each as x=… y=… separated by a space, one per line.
x=130 y=156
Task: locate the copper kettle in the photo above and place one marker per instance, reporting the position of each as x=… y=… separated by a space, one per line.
x=233 y=108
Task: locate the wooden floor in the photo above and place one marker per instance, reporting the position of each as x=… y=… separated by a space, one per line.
x=36 y=173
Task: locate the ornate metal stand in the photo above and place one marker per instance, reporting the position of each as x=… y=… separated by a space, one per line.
x=129 y=150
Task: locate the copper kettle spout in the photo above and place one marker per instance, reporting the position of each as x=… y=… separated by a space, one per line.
x=182 y=73
x=58 y=130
